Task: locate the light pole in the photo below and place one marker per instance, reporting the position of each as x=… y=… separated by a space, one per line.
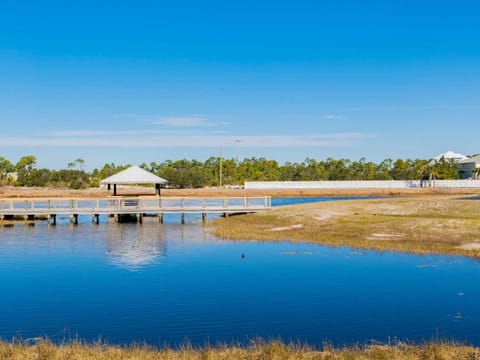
x=220 y=182
x=237 y=142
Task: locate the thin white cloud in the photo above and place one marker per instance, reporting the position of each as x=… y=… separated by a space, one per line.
x=106 y=133
x=124 y=133
x=129 y=139
x=187 y=121
x=332 y=117
x=420 y=108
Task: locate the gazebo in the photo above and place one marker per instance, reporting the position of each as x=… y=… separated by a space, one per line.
x=134 y=175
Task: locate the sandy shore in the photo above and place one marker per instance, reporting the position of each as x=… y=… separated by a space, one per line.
x=20 y=192
x=432 y=223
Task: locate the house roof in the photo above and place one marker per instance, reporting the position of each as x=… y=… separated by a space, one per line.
x=450 y=155
x=134 y=175
x=475 y=159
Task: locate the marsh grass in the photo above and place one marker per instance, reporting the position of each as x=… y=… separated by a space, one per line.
x=437 y=224
x=43 y=349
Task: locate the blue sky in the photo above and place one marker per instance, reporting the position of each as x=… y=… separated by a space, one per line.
x=129 y=82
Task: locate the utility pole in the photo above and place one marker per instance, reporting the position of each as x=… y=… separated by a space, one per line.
x=221 y=165
x=237 y=142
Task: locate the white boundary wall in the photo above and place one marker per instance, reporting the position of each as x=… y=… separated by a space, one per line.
x=361 y=184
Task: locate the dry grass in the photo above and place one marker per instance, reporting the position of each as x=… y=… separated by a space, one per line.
x=45 y=350
x=441 y=224
x=25 y=192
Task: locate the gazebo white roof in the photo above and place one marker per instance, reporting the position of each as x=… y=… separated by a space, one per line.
x=450 y=155
x=134 y=175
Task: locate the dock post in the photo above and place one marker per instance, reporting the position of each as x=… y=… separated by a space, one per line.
x=51 y=219
x=116 y=218
x=74 y=219
x=1 y=220
x=139 y=218
x=204 y=217
x=160 y=218
x=182 y=218
x=95 y=219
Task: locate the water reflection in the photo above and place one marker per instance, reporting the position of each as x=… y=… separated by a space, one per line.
x=114 y=281
x=132 y=246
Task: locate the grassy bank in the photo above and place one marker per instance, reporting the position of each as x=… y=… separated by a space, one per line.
x=439 y=224
x=7 y=192
x=45 y=350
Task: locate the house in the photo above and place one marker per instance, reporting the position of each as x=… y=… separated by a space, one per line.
x=450 y=156
x=469 y=168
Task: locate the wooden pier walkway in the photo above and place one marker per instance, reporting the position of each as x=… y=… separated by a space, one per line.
x=120 y=207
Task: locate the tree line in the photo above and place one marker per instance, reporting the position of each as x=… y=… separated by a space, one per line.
x=217 y=171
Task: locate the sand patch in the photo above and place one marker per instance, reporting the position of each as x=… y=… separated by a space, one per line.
x=384 y=236
x=283 y=228
x=470 y=246
x=326 y=214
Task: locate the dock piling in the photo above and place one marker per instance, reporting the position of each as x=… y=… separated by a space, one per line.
x=73 y=219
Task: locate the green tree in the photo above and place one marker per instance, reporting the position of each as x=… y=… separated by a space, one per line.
x=79 y=163
x=24 y=168
x=383 y=170
x=6 y=167
x=338 y=169
x=401 y=170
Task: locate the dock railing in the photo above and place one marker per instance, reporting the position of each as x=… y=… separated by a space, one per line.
x=134 y=205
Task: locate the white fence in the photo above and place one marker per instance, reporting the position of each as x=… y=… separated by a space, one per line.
x=361 y=184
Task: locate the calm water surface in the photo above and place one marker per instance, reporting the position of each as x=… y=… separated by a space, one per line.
x=171 y=284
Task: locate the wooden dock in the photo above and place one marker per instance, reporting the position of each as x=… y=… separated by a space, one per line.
x=122 y=207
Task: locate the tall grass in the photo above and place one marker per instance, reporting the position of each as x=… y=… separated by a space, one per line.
x=275 y=350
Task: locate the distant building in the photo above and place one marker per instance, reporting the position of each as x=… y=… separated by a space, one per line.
x=450 y=156
x=469 y=168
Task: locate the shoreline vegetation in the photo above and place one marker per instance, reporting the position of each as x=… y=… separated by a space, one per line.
x=443 y=224
x=54 y=192
x=46 y=350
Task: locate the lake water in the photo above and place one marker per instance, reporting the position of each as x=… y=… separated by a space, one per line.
x=171 y=284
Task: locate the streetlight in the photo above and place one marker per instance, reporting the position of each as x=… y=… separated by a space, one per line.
x=220 y=182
